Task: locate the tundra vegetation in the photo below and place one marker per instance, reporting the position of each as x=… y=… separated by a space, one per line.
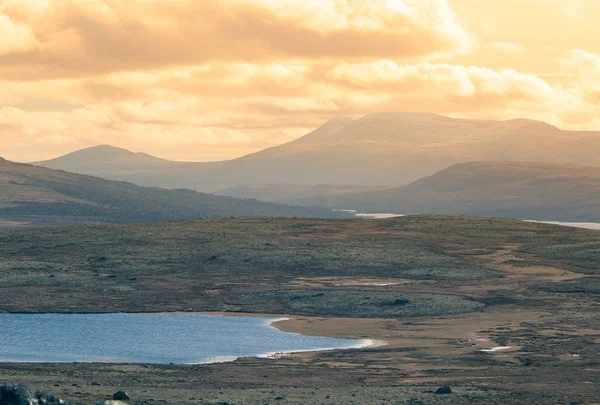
x=438 y=290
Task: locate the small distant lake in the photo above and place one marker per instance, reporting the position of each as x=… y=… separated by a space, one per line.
x=149 y=338
x=584 y=225
x=366 y=215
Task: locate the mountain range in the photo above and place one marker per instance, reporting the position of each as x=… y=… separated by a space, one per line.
x=540 y=191
x=387 y=149
x=42 y=196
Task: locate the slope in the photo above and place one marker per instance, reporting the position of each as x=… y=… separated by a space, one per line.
x=540 y=191
x=114 y=163
x=43 y=196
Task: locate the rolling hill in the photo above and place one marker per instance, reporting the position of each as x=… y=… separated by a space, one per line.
x=114 y=163
x=501 y=189
x=389 y=149
x=42 y=196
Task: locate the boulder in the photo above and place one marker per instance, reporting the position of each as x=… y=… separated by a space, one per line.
x=444 y=390
x=11 y=394
x=400 y=301
x=120 y=396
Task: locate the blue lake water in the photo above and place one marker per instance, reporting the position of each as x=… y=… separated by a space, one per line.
x=159 y=339
x=584 y=225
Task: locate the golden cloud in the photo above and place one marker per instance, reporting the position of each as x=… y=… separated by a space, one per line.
x=78 y=38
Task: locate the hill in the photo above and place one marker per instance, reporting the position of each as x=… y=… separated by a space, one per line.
x=48 y=197
x=114 y=163
x=390 y=149
x=502 y=189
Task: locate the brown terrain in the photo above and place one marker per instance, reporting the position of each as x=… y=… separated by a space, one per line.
x=469 y=284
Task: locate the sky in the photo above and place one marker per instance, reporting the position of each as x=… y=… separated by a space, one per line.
x=216 y=79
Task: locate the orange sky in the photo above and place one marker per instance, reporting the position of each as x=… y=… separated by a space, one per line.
x=210 y=80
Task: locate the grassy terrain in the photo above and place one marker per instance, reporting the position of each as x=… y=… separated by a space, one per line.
x=266 y=265
x=436 y=289
x=50 y=197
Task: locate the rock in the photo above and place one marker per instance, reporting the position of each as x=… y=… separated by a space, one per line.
x=401 y=301
x=102 y=259
x=120 y=396
x=444 y=390
x=21 y=395
x=95 y=383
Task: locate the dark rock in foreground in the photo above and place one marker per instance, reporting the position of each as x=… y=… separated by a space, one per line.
x=444 y=390
x=11 y=394
x=120 y=396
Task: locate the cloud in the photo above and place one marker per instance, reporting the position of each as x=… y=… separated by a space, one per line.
x=507 y=47
x=82 y=38
x=442 y=79
x=572 y=8
x=15 y=37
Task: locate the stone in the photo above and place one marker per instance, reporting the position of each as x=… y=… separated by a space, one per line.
x=120 y=396
x=444 y=390
x=400 y=301
x=11 y=394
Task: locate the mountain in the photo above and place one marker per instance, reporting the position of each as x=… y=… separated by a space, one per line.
x=389 y=149
x=519 y=190
x=42 y=196
x=295 y=193
x=114 y=163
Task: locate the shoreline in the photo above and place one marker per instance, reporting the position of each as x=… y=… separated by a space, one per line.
x=284 y=324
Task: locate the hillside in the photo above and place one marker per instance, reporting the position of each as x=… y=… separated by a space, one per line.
x=501 y=189
x=390 y=149
x=43 y=196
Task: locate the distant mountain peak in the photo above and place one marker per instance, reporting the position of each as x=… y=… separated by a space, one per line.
x=322 y=133
x=101 y=154
x=106 y=149
x=526 y=122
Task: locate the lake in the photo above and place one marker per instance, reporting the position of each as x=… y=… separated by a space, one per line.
x=584 y=225
x=150 y=338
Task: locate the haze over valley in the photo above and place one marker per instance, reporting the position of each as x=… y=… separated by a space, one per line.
x=387 y=149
